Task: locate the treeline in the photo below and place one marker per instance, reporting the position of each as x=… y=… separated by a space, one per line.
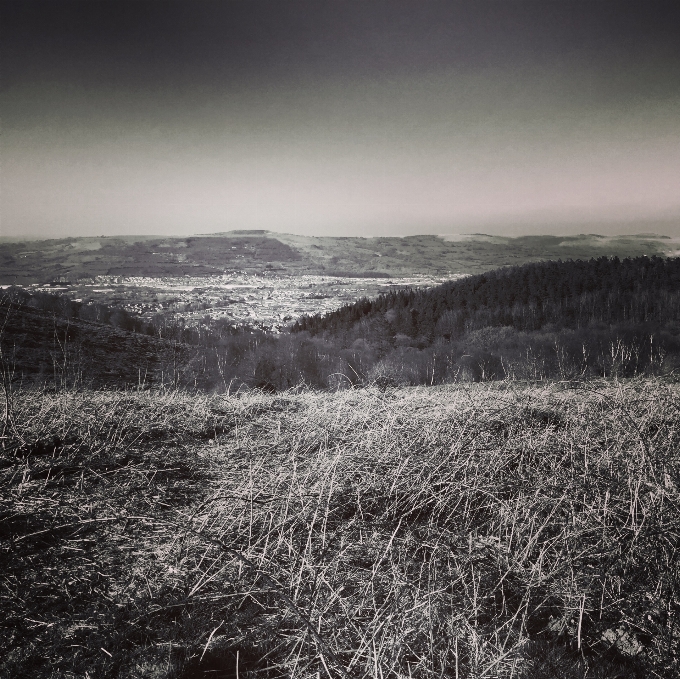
x=572 y=294
x=543 y=320
x=162 y=326
x=563 y=320
x=48 y=340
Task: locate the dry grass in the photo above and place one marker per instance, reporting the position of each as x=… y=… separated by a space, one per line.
x=468 y=531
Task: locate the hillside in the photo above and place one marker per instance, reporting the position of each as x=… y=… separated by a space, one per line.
x=563 y=294
x=255 y=252
x=480 y=530
x=40 y=346
x=549 y=319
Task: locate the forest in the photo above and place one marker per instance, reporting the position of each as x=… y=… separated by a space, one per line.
x=550 y=320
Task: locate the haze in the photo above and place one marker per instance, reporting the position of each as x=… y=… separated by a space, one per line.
x=339 y=118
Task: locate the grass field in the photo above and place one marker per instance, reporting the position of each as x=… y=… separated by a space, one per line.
x=500 y=530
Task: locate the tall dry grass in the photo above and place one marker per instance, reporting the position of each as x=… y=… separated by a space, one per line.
x=469 y=531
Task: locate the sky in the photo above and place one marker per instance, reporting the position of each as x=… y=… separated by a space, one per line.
x=338 y=118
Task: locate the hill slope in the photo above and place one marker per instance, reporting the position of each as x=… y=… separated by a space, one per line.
x=550 y=319
x=59 y=347
x=71 y=259
x=564 y=294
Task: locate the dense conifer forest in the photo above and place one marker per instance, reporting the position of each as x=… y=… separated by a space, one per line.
x=572 y=294
x=547 y=319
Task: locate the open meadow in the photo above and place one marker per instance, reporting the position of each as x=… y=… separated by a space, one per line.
x=500 y=529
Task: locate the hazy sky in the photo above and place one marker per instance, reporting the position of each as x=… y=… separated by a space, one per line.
x=339 y=118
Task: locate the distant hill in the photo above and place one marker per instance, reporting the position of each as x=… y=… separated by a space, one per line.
x=73 y=259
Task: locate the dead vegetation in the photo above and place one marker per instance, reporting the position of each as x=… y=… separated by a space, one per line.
x=460 y=531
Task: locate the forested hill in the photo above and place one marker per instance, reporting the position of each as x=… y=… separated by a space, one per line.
x=561 y=295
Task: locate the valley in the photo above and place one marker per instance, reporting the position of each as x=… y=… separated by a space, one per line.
x=267 y=302
x=267 y=280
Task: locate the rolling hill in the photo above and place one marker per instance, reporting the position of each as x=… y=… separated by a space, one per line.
x=72 y=259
